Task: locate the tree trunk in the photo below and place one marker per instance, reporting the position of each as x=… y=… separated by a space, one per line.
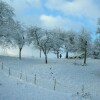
x=85 y=52
x=57 y=54
x=20 y=49
x=66 y=54
x=46 y=61
x=40 y=52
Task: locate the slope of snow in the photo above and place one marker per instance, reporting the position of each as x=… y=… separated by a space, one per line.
x=14 y=89
x=70 y=77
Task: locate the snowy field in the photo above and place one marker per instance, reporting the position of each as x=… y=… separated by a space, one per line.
x=60 y=79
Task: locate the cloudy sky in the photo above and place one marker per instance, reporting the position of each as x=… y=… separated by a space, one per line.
x=67 y=14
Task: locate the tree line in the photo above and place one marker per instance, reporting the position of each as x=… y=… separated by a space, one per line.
x=13 y=33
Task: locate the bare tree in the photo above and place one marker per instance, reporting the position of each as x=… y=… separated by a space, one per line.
x=19 y=37
x=40 y=39
x=96 y=48
x=34 y=36
x=69 y=41
x=98 y=29
x=84 y=43
x=45 y=44
x=56 y=43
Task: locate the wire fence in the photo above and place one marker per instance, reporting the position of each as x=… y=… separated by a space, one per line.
x=34 y=79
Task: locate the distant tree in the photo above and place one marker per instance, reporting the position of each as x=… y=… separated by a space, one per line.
x=96 y=48
x=98 y=29
x=56 y=43
x=18 y=37
x=64 y=38
x=84 y=43
x=69 y=41
x=34 y=36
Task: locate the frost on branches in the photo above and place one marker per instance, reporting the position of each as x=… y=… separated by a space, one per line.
x=6 y=23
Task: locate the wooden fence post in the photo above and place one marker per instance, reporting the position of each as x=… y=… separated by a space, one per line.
x=55 y=84
x=9 y=72
x=2 y=65
x=21 y=75
x=35 y=79
x=26 y=78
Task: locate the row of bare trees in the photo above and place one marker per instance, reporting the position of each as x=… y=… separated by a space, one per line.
x=13 y=33
x=56 y=40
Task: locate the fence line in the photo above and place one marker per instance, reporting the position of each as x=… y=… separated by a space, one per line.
x=34 y=79
x=52 y=84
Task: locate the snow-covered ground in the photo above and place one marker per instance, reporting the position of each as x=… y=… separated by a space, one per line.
x=32 y=79
x=14 y=89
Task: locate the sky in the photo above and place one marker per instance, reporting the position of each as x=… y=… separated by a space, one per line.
x=64 y=14
x=67 y=14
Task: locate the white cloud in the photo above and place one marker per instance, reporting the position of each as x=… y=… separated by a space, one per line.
x=76 y=7
x=51 y=21
x=58 y=21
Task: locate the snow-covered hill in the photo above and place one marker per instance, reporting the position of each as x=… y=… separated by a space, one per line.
x=32 y=79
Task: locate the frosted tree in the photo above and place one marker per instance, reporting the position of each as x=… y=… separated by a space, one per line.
x=84 y=43
x=34 y=36
x=96 y=48
x=98 y=29
x=18 y=37
x=69 y=41
x=45 y=44
x=40 y=38
x=56 y=43
x=6 y=22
